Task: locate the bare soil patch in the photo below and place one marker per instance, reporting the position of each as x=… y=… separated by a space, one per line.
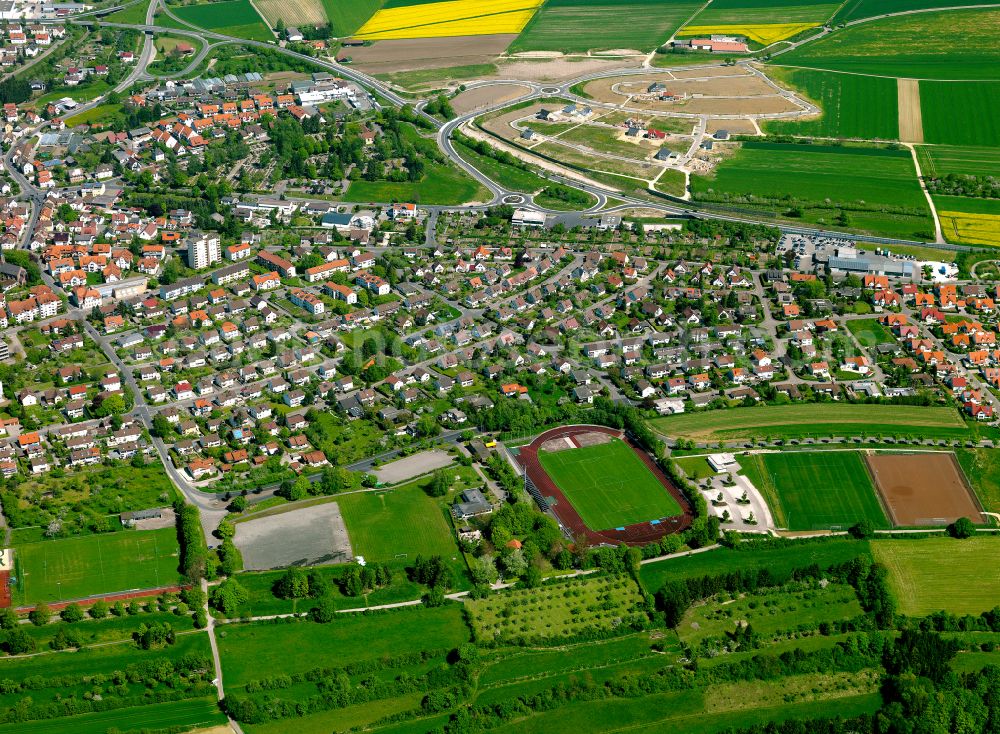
x=923 y=489
x=475 y=99
x=411 y=54
x=739 y=106
x=739 y=127
x=561 y=69
x=309 y=536
x=708 y=71
x=501 y=125
x=911 y=124
x=413 y=466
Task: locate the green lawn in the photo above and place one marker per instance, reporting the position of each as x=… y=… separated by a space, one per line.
x=878 y=187
x=252 y=651
x=790 y=421
x=348 y=718
x=815 y=490
x=957 y=44
x=398 y=525
x=609 y=485
x=853 y=106
x=581 y=25
x=135 y=13
x=962 y=113
x=869 y=332
x=185 y=715
x=982 y=467
x=74 y=568
x=232 y=18
x=441 y=184
x=765 y=12
x=696 y=467
x=928 y=575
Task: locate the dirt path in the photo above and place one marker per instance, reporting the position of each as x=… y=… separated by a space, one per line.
x=938 y=234
x=911 y=125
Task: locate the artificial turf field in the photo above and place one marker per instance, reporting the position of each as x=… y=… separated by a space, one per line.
x=816 y=490
x=76 y=568
x=609 y=485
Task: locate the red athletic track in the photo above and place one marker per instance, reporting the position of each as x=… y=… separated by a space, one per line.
x=4 y=589
x=639 y=534
x=125 y=596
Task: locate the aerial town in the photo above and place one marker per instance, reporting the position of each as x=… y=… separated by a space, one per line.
x=416 y=366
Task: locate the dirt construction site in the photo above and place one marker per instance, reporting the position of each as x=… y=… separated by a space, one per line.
x=923 y=489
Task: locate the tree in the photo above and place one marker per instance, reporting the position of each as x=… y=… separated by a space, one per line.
x=325 y=610
x=294 y=584
x=19 y=642
x=8 y=618
x=863 y=529
x=962 y=528
x=229 y=596
x=438 y=486
x=40 y=615
x=152 y=636
x=72 y=613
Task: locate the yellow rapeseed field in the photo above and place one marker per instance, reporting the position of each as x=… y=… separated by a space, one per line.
x=764 y=34
x=450 y=18
x=972 y=229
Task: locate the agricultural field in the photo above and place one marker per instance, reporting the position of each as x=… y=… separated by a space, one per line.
x=877 y=186
x=858 y=107
x=557 y=609
x=780 y=560
x=609 y=485
x=962 y=113
x=296 y=12
x=250 y=650
x=940 y=160
x=76 y=568
x=572 y=26
x=232 y=18
x=346 y=18
x=407 y=19
x=969 y=221
x=936 y=574
x=764 y=22
x=956 y=44
x=855 y=9
x=795 y=421
x=815 y=490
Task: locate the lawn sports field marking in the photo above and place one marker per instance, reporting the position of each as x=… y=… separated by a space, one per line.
x=942 y=573
x=819 y=490
x=450 y=18
x=76 y=568
x=609 y=485
x=911 y=125
x=811 y=420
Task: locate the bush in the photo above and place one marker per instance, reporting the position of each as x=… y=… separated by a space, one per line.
x=41 y=615
x=72 y=613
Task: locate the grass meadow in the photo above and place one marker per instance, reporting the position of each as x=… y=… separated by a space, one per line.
x=574 y=26
x=853 y=106
x=815 y=490
x=609 y=485
x=258 y=649
x=962 y=113
x=763 y=12
x=942 y=573
x=982 y=468
x=780 y=560
x=957 y=44
x=441 y=184
x=232 y=18
x=869 y=332
x=75 y=568
x=799 y=421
